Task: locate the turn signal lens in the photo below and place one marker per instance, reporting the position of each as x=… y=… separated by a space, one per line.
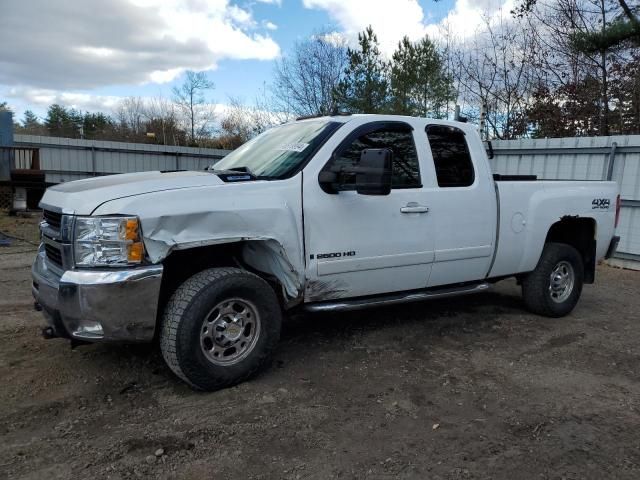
x=135 y=251
x=131 y=232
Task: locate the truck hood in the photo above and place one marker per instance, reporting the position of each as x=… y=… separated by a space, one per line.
x=82 y=197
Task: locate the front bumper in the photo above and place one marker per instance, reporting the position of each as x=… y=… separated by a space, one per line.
x=98 y=305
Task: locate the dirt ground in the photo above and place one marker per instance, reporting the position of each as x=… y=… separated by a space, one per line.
x=473 y=387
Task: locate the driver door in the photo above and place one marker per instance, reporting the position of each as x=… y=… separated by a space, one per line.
x=358 y=245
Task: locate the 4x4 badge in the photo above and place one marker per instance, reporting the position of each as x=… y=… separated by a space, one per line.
x=600 y=203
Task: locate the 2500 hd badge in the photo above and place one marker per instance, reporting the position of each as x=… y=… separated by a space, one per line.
x=322 y=256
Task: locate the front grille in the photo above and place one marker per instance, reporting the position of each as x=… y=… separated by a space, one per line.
x=54 y=254
x=52 y=218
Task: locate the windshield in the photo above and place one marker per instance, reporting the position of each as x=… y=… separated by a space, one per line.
x=280 y=151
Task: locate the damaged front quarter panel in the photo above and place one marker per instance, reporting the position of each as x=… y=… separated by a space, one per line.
x=266 y=216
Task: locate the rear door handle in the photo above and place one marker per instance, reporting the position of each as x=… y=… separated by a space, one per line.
x=414 y=207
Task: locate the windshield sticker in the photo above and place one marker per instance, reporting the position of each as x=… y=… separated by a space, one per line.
x=292 y=147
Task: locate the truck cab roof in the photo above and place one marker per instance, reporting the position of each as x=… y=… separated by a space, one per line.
x=378 y=117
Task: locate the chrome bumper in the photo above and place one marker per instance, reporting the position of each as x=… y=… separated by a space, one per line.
x=98 y=305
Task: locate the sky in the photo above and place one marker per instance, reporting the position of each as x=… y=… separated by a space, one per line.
x=89 y=54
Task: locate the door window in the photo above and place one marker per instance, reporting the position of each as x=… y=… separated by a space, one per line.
x=451 y=156
x=397 y=138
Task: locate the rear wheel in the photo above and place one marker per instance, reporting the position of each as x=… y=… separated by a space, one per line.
x=220 y=327
x=554 y=287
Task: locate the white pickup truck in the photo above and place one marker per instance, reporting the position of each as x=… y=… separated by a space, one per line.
x=323 y=214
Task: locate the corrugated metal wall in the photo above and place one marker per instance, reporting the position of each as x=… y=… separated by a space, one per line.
x=66 y=159
x=587 y=158
x=583 y=159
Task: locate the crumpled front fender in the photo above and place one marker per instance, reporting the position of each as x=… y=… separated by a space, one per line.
x=267 y=215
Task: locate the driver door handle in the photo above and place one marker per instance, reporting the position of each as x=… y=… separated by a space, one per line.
x=414 y=207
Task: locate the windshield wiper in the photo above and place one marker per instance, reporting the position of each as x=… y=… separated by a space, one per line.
x=236 y=174
x=243 y=170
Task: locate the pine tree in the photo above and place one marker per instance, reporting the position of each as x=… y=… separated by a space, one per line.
x=365 y=88
x=63 y=122
x=29 y=119
x=419 y=85
x=608 y=38
x=30 y=124
x=97 y=125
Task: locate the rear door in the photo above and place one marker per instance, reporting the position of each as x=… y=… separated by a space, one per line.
x=360 y=245
x=463 y=204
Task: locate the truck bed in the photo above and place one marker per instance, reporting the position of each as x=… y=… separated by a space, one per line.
x=527 y=209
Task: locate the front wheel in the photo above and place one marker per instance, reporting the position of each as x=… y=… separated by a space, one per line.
x=554 y=287
x=220 y=327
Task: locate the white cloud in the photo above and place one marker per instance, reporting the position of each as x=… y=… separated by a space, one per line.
x=40 y=98
x=469 y=16
x=334 y=38
x=240 y=16
x=392 y=20
x=164 y=76
x=271 y=2
x=270 y=25
x=74 y=45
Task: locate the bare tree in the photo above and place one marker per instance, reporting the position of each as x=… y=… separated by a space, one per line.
x=236 y=125
x=130 y=116
x=190 y=98
x=161 y=115
x=495 y=70
x=154 y=120
x=241 y=122
x=306 y=79
x=580 y=48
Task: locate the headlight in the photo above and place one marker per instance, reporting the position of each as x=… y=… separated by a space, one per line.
x=107 y=241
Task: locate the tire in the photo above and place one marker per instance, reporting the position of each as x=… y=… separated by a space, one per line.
x=220 y=327
x=546 y=296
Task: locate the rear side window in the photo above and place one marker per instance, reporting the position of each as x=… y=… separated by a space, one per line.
x=451 y=156
x=398 y=138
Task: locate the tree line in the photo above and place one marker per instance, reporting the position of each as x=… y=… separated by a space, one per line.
x=549 y=68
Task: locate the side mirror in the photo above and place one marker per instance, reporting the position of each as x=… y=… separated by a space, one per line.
x=373 y=175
